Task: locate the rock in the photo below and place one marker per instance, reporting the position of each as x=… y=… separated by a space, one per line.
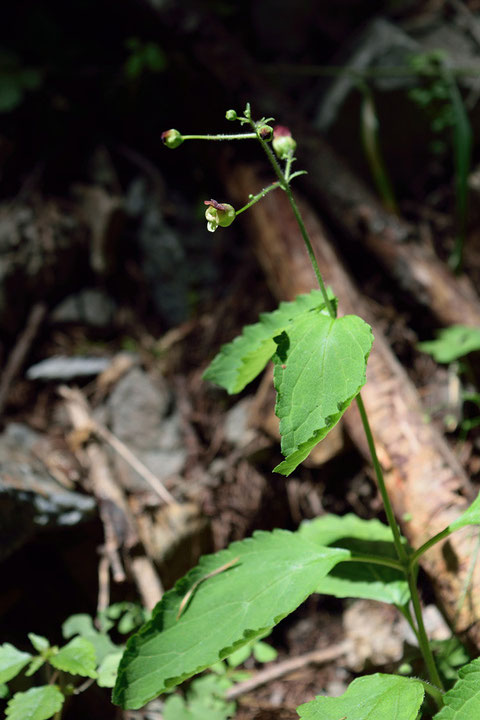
x=30 y=498
x=236 y=426
x=60 y=367
x=89 y=307
x=138 y=415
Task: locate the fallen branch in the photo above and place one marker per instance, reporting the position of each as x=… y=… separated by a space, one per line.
x=279 y=670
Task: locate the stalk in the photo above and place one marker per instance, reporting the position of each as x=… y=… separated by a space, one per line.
x=404 y=562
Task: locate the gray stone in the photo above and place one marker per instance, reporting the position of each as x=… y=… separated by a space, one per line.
x=60 y=367
x=30 y=498
x=137 y=408
x=90 y=307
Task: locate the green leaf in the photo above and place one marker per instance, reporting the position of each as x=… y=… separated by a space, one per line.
x=239 y=656
x=263 y=652
x=471 y=516
x=38 y=703
x=240 y=361
x=11 y=661
x=320 y=366
x=77 y=658
x=358 y=580
x=462 y=702
x=270 y=574
x=39 y=642
x=82 y=624
x=108 y=668
x=452 y=343
x=373 y=697
x=35 y=665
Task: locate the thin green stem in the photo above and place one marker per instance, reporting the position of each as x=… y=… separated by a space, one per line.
x=407 y=614
x=258 y=197
x=435 y=693
x=239 y=136
x=422 y=634
x=288 y=167
x=401 y=552
x=426 y=546
x=285 y=186
x=377 y=560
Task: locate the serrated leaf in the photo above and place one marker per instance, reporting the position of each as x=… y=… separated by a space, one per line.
x=320 y=367
x=358 y=580
x=77 y=658
x=452 y=343
x=38 y=703
x=240 y=361
x=108 y=668
x=39 y=642
x=82 y=624
x=462 y=702
x=273 y=573
x=373 y=697
x=11 y=661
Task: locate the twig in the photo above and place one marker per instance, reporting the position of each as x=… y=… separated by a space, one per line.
x=274 y=672
x=120 y=527
x=20 y=351
x=134 y=462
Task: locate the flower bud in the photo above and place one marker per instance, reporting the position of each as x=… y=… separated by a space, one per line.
x=231 y=115
x=265 y=132
x=218 y=214
x=172 y=138
x=283 y=142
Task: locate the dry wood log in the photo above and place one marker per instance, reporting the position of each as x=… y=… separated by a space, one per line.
x=343 y=197
x=427 y=485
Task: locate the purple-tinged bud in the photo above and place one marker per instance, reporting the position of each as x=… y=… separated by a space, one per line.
x=283 y=142
x=265 y=132
x=218 y=214
x=172 y=138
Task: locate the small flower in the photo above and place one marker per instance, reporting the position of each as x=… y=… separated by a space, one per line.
x=172 y=138
x=231 y=115
x=283 y=142
x=217 y=214
x=265 y=132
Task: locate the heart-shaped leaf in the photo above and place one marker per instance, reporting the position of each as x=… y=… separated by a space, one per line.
x=320 y=367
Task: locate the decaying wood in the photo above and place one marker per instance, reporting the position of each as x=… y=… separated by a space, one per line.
x=344 y=197
x=429 y=489
x=119 y=523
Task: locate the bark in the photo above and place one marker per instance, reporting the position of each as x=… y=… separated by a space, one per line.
x=428 y=487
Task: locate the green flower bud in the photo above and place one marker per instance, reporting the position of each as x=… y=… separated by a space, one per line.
x=283 y=142
x=231 y=115
x=218 y=214
x=265 y=132
x=172 y=138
